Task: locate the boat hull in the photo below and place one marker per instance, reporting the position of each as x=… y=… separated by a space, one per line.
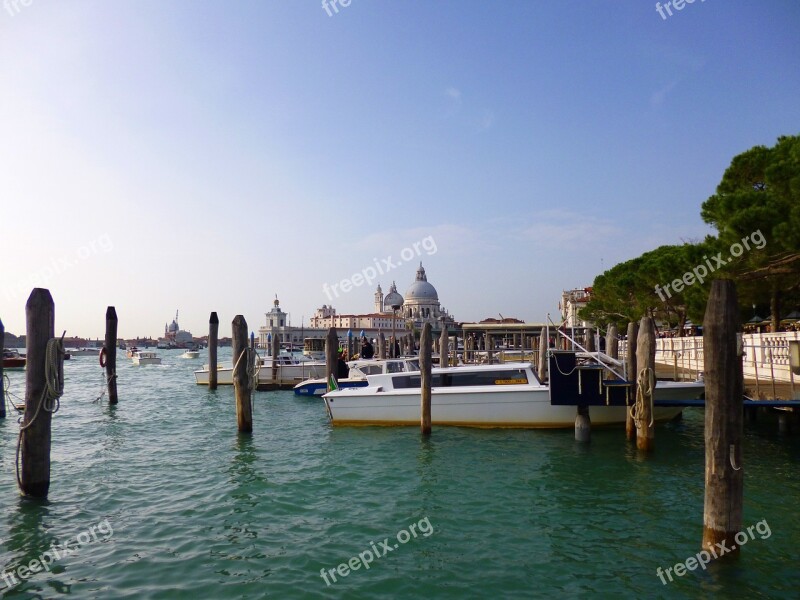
x=318 y=387
x=14 y=364
x=515 y=406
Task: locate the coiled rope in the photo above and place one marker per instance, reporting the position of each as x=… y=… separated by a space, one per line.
x=49 y=401
x=645 y=385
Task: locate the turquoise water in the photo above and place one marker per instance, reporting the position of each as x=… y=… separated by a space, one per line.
x=184 y=507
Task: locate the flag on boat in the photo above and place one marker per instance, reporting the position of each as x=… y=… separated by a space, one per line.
x=332 y=385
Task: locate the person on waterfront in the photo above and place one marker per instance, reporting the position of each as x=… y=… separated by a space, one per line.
x=367 y=350
x=342 y=370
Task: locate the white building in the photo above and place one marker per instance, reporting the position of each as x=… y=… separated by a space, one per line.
x=571 y=302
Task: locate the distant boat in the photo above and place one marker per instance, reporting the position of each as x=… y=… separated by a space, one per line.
x=13 y=360
x=291 y=371
x=191 y=354
x=146 y=357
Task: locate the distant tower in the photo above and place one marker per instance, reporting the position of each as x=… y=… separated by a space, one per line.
x=379 y=299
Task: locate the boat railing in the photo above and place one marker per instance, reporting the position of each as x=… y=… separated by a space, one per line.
x=608 y=363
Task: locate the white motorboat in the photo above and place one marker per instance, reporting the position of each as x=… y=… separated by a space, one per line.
x=357 y=376
x=191 y=354
x=290 y=371
x=146 y=357
x=502 y=395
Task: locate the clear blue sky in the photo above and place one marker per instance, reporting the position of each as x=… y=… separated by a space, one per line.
x=201 y=155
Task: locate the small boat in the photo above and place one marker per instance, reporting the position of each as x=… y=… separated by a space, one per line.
x=191 y=354
x=13 y=360
x=131 y=351
x=146 y=357
x=359 y=370
x=501 y=395
x=290 y=371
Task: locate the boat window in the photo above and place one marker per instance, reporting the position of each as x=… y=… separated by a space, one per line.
x=465 y=379
x=395 y=367
x=370 y=369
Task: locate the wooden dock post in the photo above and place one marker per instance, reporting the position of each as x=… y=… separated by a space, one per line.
x=2 y=381
x=34 y=470
x=425 y=345
x=645 y=383
x=331 y=356
x=242 y=381
x=544 y=344
x=724 y=492
x=111 y=354
x=213 y=335
x=381 y=346
x=583 y=424
x=276 y=350
x=612 y=343
x=630 y=368
x=589 y=339
x=444 y=348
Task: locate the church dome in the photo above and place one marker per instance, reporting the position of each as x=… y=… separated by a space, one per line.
x=421 y=290
x=393 y=298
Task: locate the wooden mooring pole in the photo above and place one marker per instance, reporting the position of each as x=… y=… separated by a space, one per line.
x=630 y=368
x=276 y=350
x=34 y=468
x=331 y=356
x=242 y=382
x=2 y=380
x=111 y=354
x=612 y=343
x=444 y=347
x=646 y=383
x=724 y=492
x=425 y=345
x=544 y=344
x=213 y=333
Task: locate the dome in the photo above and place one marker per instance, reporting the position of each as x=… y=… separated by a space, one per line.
x=421 y=290
x=174 y=326
x=393 y=298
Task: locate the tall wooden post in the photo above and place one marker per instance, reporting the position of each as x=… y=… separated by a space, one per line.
x=489 y=348
x=444 y=347
x=425 y=344
x=544 y=344
x=35 y=436
x=645 y=360
x=331 y=356
x=583 y=425
x=589 y=339
x=111 y=354
x=242 y=382
x=2 y=381
x=213 y=333
x=630 y=368
x=724 y=493
x=381 y=346
x=612 y=343
x=276 y=351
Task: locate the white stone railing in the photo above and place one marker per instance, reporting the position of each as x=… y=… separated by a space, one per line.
x=766 y=355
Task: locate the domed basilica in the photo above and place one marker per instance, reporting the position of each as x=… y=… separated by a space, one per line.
x=419 y=305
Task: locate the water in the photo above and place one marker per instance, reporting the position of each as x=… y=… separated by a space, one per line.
x=195 y=510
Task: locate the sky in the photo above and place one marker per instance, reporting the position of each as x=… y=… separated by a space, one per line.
x=200 y=155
